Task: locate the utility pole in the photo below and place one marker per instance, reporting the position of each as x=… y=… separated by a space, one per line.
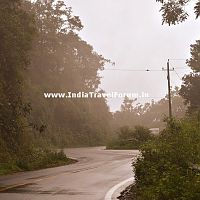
x=169 y=88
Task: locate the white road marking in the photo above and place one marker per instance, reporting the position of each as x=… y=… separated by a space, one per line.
x=116 y=187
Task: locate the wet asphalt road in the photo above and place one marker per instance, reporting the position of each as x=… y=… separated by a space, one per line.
x=89 y=179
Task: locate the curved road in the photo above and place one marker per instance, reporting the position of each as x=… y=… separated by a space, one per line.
x=97 y=171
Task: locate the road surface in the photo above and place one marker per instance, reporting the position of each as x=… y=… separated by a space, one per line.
x=91 y=178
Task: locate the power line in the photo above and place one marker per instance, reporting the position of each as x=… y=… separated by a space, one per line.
x=140 y=70
x=134 y=70
x=178 y=59
x=178 y=75
x=182 y=67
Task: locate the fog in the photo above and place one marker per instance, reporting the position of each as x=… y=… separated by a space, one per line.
x=131 y=34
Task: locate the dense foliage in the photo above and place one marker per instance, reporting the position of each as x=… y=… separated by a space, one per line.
x=150 y=115
x=62 y=62
x=40 y=51
x=16 y=33
x=173 y=11
x=166 y=168
x=190 y=89
x=127 y=138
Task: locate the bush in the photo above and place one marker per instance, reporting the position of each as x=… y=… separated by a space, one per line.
x=42 y=158
x=164 y=170
x=4 y=153
x=128 y=138
x=34 y=159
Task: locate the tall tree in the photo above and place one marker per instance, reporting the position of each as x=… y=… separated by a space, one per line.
x=16 y=33
x=61 y=61
x=190 y=89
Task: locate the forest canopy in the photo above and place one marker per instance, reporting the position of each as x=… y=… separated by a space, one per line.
x=41 y=51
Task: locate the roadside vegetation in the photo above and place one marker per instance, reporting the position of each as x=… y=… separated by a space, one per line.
x=168 y=167
x=130 y=125
x=127 y=138
x=34 y=159
x=41 y=51
x=150 y=115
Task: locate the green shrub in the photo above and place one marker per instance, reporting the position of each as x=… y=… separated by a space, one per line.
x=128 y=138
x=34 y=159
x=4 y=153
x=164 y=169
x=6 y=168
x=42 y=158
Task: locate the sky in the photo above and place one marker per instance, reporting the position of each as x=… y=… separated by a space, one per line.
x=130 y=33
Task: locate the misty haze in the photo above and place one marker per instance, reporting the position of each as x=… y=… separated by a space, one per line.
x=99 y=100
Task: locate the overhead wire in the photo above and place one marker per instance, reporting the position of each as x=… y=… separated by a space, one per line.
x=151 y=70
x=140 y=70
x=177 y=75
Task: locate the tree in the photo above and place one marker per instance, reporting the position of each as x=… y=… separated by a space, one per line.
x=190 y=89
x=16 y=34
x=127 y=105
x=151 y=114
x=62 y=62
x=173 y=11
x=194 y=61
